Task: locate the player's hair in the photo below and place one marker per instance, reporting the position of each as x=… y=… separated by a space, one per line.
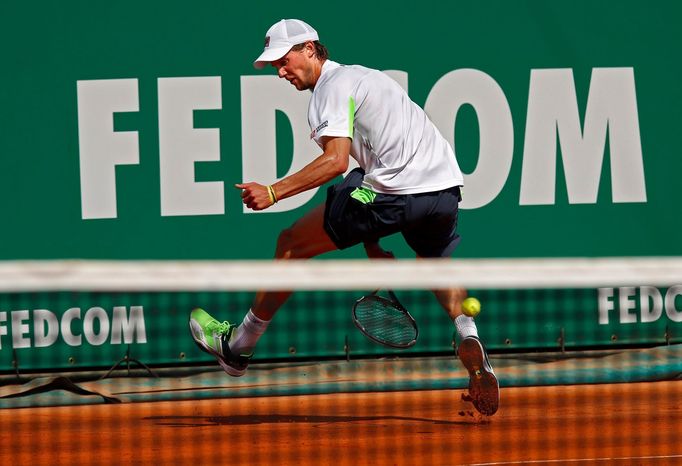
x=320 y=50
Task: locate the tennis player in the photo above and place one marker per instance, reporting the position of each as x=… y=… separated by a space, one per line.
x=408 y=182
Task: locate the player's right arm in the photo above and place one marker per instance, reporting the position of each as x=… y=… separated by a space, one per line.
x=332 y=163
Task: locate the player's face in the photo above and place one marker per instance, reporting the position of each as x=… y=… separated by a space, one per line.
x=296 y=67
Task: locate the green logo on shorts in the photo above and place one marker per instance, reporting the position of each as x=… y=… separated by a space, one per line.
x=363 y=195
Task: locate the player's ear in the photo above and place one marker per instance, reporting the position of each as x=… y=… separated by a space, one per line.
x=310 y=49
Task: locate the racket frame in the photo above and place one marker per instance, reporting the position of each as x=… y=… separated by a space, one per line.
x=393 y=301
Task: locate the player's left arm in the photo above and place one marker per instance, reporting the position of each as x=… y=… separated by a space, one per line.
x=332 y=163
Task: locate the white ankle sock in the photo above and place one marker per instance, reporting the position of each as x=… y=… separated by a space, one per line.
x=466 y=327
x=246 y=336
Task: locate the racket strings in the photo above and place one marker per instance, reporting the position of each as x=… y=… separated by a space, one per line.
x=385 y=322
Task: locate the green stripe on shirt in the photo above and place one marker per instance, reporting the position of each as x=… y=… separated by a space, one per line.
x=351 y=115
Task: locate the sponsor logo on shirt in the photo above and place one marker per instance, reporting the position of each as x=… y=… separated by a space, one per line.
x=319 y=128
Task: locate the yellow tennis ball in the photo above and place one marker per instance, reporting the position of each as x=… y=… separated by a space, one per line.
x=471 y=307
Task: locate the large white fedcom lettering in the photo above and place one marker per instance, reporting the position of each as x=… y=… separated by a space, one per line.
x=101 y=149
x=180 y=144
x=495 y=127
x=553 y=108
x=96 y=325
x=552 y=116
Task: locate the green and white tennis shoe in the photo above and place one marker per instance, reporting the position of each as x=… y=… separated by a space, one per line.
x=213 y=337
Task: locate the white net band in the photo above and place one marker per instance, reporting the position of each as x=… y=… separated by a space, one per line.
x=96 y=275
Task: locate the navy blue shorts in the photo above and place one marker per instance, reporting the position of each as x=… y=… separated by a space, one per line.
x=427 y=221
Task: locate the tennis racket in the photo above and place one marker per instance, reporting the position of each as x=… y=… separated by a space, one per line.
x=385 y=320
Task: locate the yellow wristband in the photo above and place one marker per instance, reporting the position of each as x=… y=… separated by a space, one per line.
x=271 y=193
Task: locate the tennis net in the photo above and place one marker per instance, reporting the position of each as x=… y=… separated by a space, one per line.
x=78 y=314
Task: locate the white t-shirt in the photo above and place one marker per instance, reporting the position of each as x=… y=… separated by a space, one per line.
x=393 y=140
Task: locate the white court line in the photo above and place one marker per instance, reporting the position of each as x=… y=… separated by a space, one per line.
x=579 y=460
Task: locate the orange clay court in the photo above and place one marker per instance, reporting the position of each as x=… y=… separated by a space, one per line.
x=620 y=424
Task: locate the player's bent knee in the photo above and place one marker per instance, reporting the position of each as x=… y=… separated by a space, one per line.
x=294 y=244
x=286 y=245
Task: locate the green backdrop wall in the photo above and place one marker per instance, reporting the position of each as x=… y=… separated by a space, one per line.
x=455 y=57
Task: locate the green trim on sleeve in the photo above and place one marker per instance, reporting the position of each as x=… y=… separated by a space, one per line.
x=351 y=116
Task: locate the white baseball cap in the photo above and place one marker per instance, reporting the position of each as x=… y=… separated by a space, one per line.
x=281 y=37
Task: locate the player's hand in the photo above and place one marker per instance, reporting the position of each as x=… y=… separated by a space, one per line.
x=255 y=196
